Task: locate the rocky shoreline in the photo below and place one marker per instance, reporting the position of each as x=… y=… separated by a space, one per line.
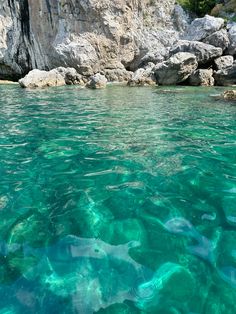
x=204 y=56
x=90 y=43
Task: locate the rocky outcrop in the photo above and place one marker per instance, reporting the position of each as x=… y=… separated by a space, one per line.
x=116 y=38
x=90 y=36
x=40 y=79
x=176 y=69
x=56 y=77
x=223 y=62
x=226 y=76
x=71 y=76
x=201 y=28
x=117 y=75
x=143 y=76
x=218 y=39
x=97 y=81
x=203 y=52
x=202 y=77
x=232 y=38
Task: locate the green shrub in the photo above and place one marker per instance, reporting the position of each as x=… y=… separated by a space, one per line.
x=200 y=7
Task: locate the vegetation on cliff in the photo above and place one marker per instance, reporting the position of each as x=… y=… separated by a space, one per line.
x=200 y=7
x=214 y=7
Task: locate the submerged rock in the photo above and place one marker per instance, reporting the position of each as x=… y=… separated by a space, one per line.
x=176 y=69
x=38 y=78
x=230 y=95
x=92 y=275
x=203 y=52
x=202 y=77
x=97 y=81
x=165 y=286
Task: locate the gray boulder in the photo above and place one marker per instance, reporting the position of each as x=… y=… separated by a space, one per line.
x=202 y=77
x=97 y=81
x=200 y=28
x=176 y=69
x=143 y=76
x=226 y=76
x=223 y=62
x=232 y=38
x=117 y=75
x=71 y=76
x=218 y=39
x=203 y=52
x=40 y=79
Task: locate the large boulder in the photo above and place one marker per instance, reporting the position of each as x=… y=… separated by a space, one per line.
x=218 y=39
x=143 y=76
x=117 y=75
x=223 y=62
x=232 y=38
x=71 y=76
x=176 y=69
x=200 y=28
x=202 y=77
x=203 y=52
x=40 y=79
x=97 y=81
x=226 y=76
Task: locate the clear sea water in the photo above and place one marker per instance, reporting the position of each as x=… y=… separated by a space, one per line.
x=121 y=200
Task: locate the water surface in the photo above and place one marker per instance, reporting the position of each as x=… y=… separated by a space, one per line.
x=117 y=201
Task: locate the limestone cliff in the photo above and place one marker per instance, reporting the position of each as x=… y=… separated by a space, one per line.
x=89 y=35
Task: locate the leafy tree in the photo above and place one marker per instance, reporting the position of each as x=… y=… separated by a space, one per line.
x=200 y=7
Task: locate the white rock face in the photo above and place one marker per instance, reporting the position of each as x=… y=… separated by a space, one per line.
x=232 y=38
x=202 y=77
x=200 y=28
x=226 y=76
x=71 y=76
x=218 y=39
x=88 y=35
x=97 y=81
x=40 y=79
x=176 y=69
x=203 y=52
x=224 y=62
x=143 y=76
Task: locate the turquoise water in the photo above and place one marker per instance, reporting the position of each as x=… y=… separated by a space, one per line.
x=117 y=201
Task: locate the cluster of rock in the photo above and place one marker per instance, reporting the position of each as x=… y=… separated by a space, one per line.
x=59 y=77
x=204 y=55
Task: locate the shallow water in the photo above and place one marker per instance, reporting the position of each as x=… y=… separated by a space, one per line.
x=117 y=201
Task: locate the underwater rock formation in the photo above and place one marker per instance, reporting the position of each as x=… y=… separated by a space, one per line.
x=94 y=275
